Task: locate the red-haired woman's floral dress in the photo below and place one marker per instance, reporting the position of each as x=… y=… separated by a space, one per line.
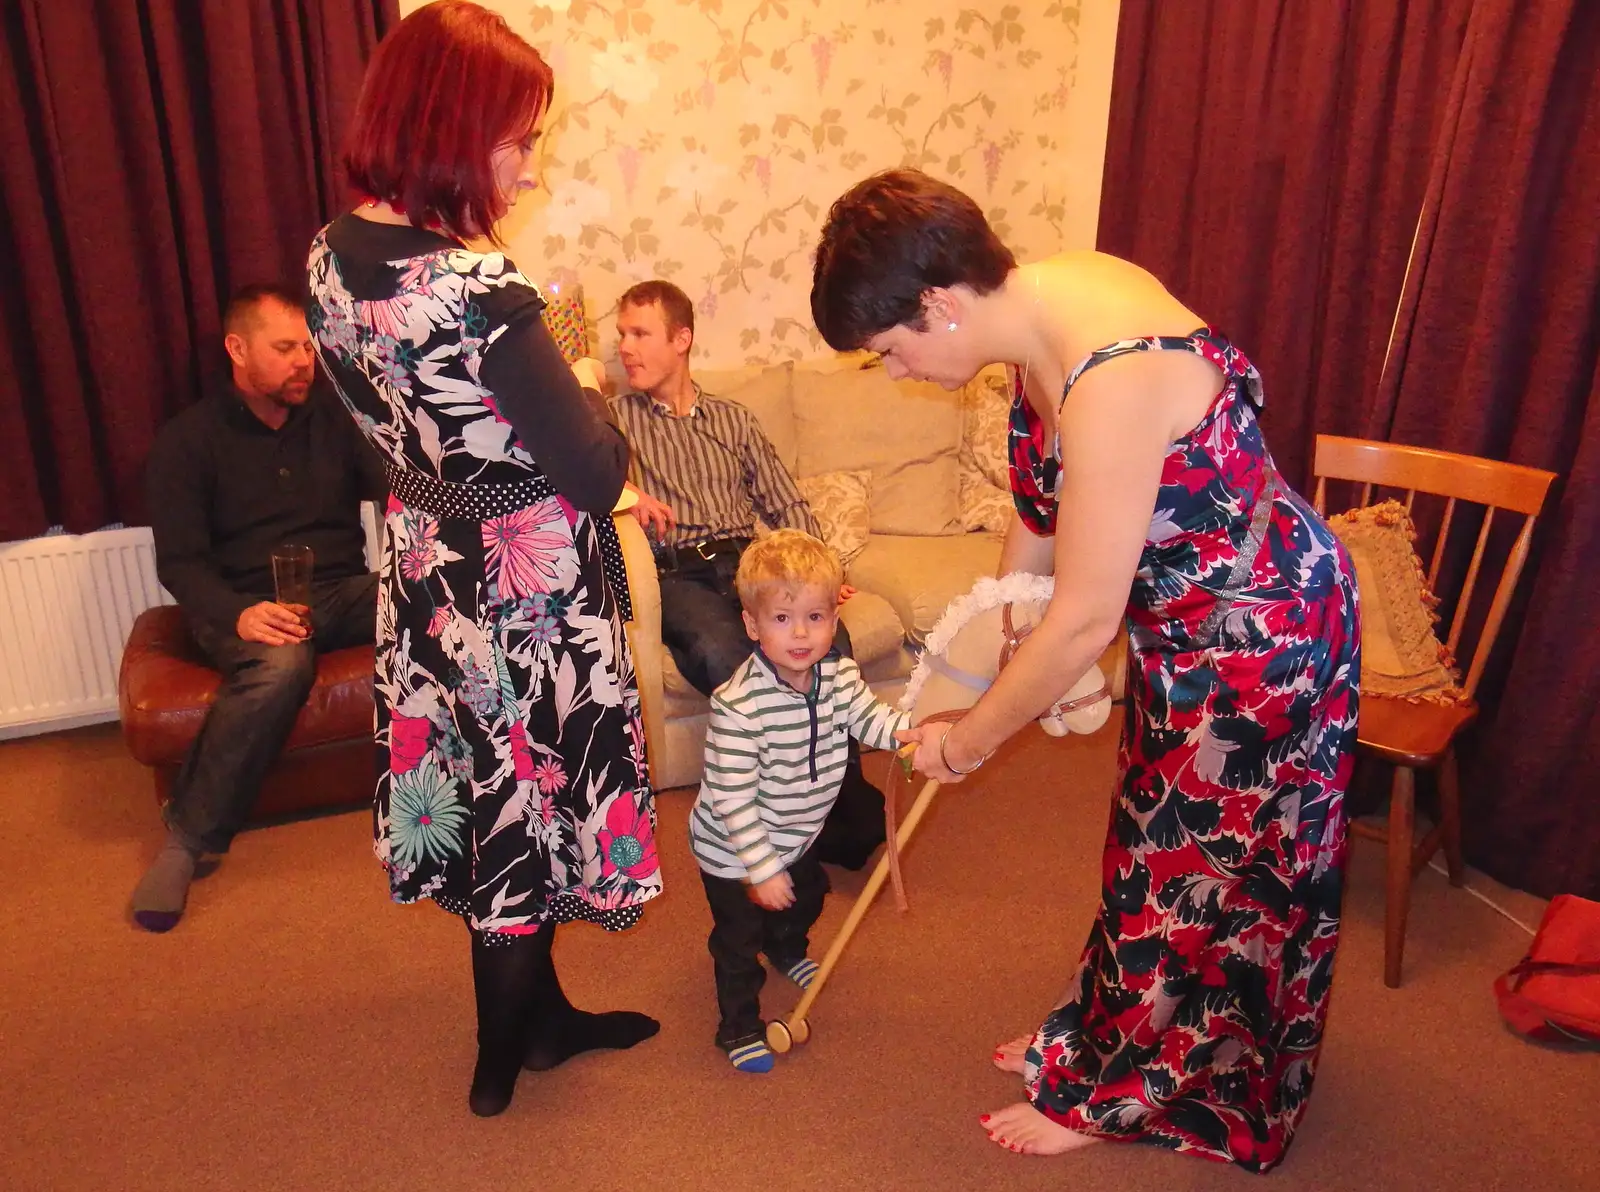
x=1195 y=1018
x=512 y=787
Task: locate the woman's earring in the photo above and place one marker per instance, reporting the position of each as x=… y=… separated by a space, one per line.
x=952 y=326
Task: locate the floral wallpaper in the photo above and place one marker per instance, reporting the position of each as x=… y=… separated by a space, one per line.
x=703 y=140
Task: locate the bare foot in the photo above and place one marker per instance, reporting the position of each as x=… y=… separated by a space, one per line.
x=1011 y=1057
x=1023 y=1129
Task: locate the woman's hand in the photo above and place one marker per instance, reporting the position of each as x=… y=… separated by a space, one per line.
x=591 y=373
x=926 y=759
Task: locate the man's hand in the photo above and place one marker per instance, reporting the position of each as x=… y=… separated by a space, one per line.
x=273 y=624
x=590 y=372
x=774 y=894
x=653 y=514
x=845 y=592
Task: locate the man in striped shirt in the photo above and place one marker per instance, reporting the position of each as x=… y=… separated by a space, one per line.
x=776 y=752
x=705 y=473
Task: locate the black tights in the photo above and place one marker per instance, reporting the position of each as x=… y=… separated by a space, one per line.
x=525 y=1019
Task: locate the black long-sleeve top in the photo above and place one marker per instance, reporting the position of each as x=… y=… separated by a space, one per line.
x=225 y=490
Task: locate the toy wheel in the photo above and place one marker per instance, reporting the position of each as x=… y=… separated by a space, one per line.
x=800 y=1031
x=778 y=1037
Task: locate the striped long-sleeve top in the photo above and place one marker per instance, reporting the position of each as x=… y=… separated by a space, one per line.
x=775 y=758
x=714 y=466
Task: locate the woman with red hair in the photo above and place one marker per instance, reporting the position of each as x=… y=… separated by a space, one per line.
x=513 y=788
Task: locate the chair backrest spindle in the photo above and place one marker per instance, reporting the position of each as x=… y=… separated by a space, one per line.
x=1464 y=601
x=1438 y=545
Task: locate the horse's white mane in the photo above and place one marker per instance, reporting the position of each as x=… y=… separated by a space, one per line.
x=988 y=593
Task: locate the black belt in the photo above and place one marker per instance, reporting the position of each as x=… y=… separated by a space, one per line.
x=479 y=502
x=692 y=554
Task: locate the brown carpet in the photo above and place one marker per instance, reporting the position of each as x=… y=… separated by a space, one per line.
x=299 y=1032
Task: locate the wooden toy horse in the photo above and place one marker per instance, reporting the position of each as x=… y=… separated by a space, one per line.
x=972 y=641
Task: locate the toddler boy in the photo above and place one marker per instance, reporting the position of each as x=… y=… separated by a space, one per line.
x=775 y=757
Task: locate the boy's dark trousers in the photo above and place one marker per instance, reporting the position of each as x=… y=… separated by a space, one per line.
x=740 y=929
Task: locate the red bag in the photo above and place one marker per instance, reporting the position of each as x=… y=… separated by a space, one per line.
x=1553 y=996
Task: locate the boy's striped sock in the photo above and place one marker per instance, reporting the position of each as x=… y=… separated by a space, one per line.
x=752 y=1057
x=802 y=972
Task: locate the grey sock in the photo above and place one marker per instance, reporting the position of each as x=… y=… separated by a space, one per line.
x=159 y=897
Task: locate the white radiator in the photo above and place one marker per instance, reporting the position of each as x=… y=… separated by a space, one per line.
x=66 y=605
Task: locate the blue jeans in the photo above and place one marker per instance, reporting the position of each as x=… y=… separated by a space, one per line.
x=263 y=688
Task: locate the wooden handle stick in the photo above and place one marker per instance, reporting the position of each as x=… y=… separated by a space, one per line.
x=863 y=902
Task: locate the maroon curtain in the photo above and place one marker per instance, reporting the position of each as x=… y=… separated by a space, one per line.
x=154 y=155
x=1269 y=160
x=1496 y=354
x=1266 y=159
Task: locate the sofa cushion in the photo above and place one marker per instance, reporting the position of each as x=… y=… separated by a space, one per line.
x=983 y=506
x=907 y=435
x=986 y=425
x=767 y=391
x=842 y=504
x=919 y=576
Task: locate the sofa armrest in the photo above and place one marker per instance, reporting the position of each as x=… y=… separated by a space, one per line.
x=644 y=632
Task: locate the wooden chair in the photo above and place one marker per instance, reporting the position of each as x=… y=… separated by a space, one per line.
x=1421 y=736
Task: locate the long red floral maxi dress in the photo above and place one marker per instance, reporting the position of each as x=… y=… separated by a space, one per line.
x=1197 y=1012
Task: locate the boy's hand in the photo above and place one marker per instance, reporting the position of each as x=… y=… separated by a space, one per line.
x=774 y=894
x=846 y=591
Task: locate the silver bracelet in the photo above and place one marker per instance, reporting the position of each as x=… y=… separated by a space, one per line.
x=945 y=761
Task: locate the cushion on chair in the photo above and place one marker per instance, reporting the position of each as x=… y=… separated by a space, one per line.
x=1401 y=655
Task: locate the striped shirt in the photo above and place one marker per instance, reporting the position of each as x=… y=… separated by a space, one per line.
x=714 y=466
x=774 y=760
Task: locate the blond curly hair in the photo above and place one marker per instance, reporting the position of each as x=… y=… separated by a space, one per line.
x=787 y=559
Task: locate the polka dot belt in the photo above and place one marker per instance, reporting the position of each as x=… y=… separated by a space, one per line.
x=480 y=502
x=468 y=502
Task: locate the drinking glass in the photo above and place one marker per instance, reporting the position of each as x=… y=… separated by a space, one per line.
x=291 y=580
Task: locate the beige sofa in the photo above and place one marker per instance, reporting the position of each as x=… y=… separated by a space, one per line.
x=907 y=480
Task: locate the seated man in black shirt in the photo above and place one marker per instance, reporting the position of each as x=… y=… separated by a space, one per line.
x=265 y=460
